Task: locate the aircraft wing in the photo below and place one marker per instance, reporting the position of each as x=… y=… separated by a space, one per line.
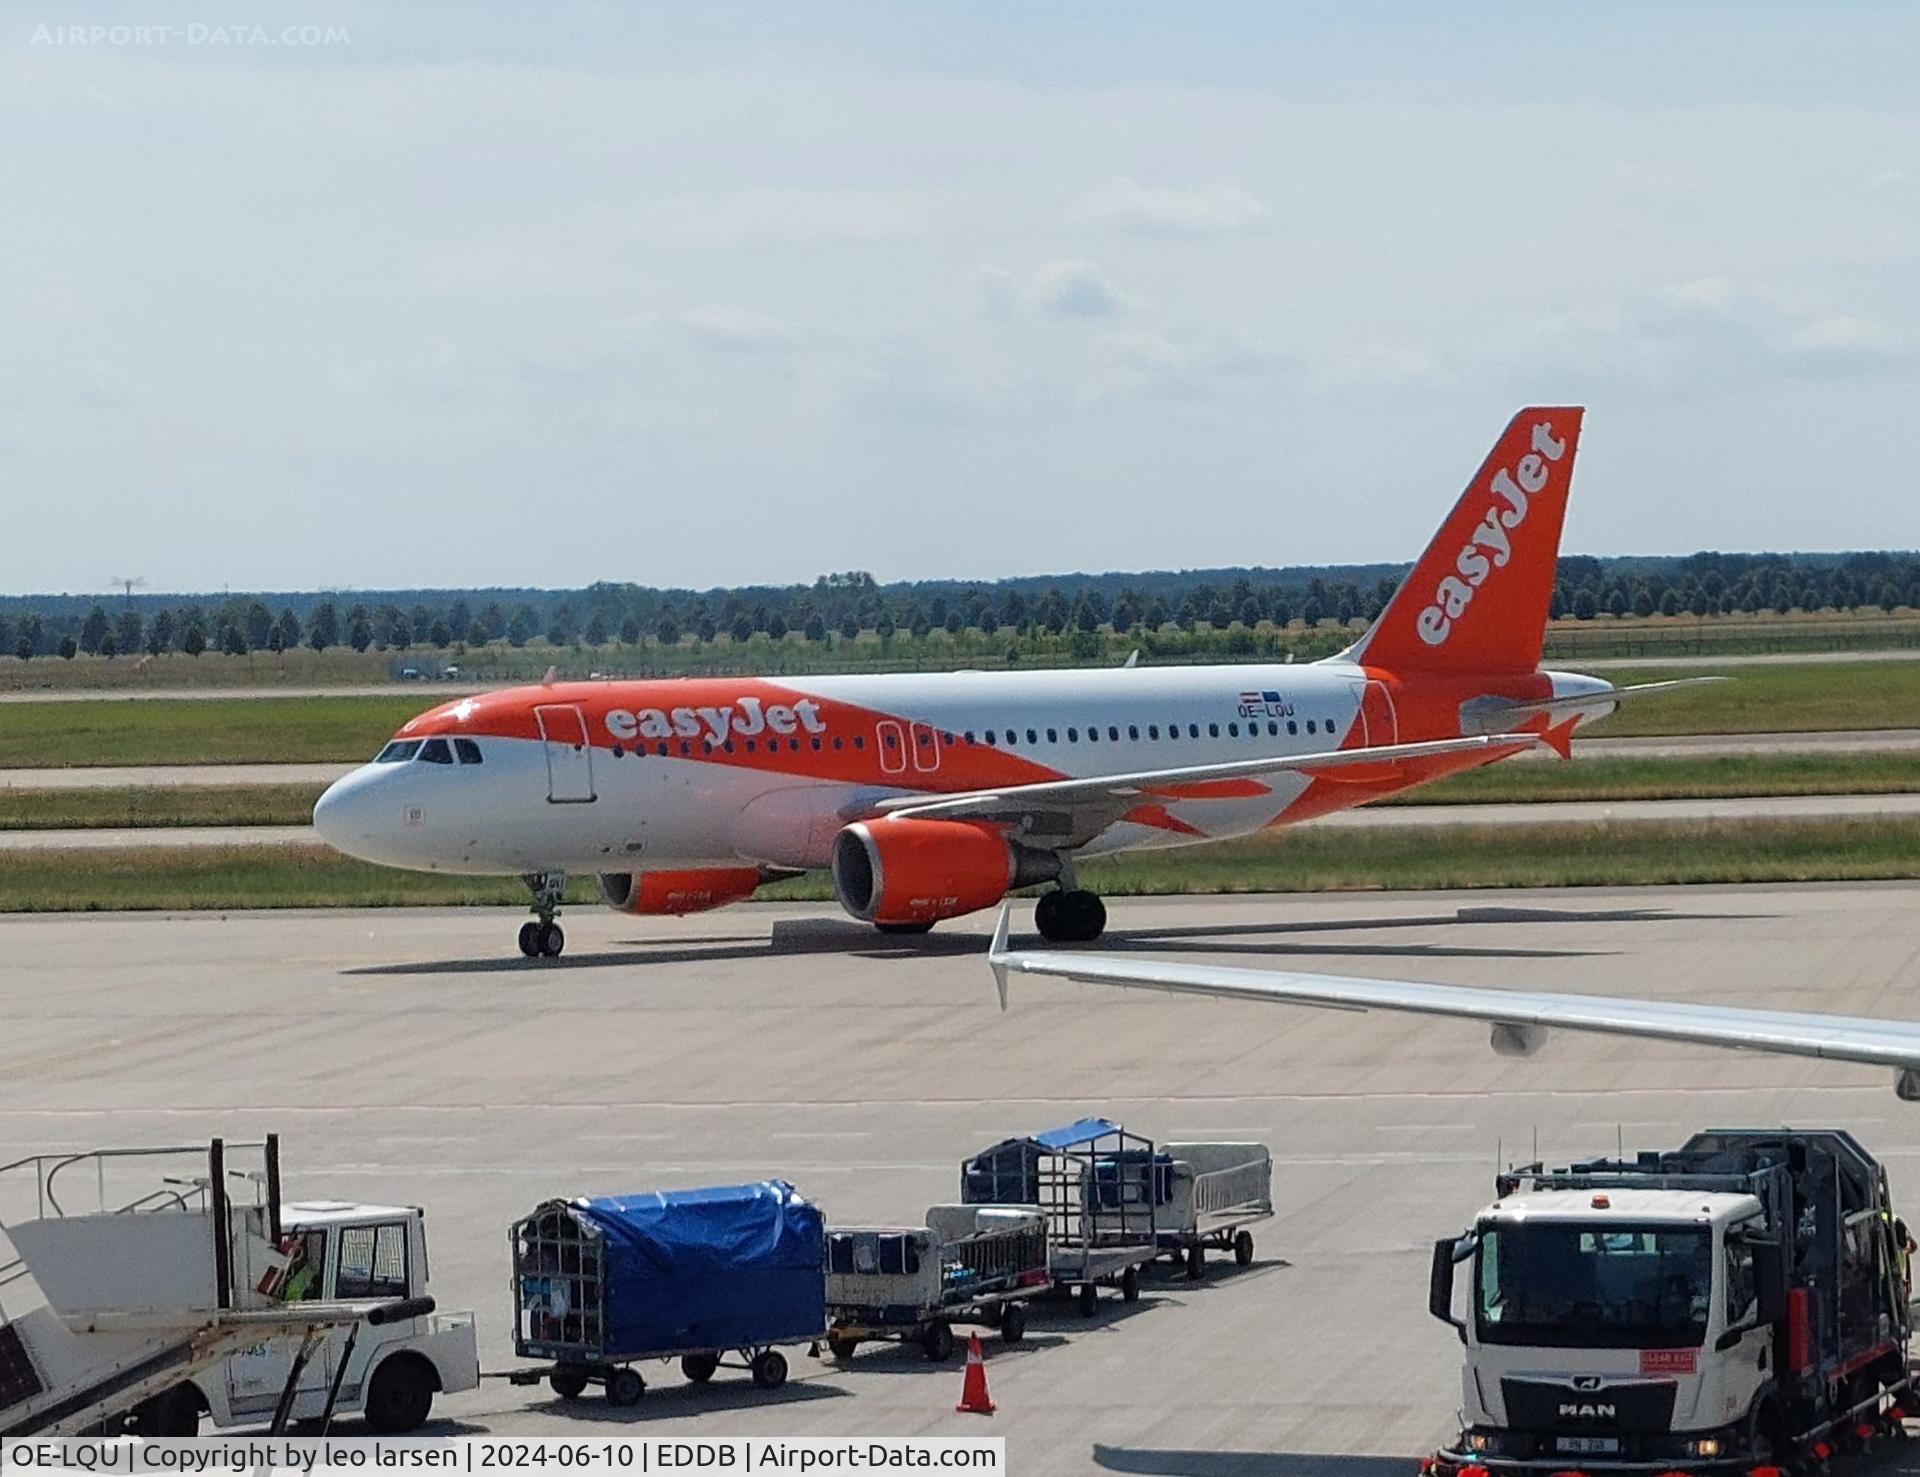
x=1073 y=811
x=1521 y=1020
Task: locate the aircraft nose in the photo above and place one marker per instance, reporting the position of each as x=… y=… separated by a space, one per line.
x=344 y=816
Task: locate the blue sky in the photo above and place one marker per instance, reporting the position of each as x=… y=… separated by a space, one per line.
x=712 y=293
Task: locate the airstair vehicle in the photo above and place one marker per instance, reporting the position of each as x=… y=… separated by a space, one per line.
x=111 y=1301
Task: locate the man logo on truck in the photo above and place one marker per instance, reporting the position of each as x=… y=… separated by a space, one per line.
x=1572 y=1411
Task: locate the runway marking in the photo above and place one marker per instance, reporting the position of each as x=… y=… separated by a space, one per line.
x=1416 y=1127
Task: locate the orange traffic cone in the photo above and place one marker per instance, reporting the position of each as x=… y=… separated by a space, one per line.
x=974 y=1399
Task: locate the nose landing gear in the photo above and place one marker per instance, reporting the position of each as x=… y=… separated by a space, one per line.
x=543 y=939
x=1070 y=916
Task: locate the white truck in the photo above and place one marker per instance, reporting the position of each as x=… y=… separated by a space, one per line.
x=114 y=1305
x=1737 y=1304
x=388 y=1373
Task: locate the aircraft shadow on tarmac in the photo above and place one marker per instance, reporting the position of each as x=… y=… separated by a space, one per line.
x=800 y=936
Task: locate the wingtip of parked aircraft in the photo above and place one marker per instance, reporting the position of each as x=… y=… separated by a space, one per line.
x=997 y=951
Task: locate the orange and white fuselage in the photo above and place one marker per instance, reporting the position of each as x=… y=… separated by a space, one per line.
x=931 y=795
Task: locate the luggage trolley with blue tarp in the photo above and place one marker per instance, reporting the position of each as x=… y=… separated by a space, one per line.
x=1095 y=1184
x=698 y=1275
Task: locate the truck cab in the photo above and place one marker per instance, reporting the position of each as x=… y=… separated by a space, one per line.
x=390 y=1373
x=1624 y=1324
x=1712 y=1309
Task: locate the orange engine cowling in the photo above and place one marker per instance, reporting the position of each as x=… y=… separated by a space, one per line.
x=694 y=890
x=921 y=871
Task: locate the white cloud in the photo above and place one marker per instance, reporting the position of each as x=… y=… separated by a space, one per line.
x=742 y=330
x=1075 y=289
x=1385 y=366
x=1136 y=207
x=1183 y=366
x=1844 y=333
x=1886 y=179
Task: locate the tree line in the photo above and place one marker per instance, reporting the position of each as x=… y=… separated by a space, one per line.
x=851 y=603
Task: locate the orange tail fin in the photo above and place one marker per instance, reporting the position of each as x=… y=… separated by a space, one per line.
x=1478 y=599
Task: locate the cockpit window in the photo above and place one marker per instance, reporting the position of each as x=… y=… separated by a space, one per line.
x=398 y=752
x=435 y=751
x=469 y=751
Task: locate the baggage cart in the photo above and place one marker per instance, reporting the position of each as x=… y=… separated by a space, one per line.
x=714 y=1278
x=967 y=1264
x=1209 y=1195
x=1094 y=1183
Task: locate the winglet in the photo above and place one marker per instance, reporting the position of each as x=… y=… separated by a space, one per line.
x=997 y=952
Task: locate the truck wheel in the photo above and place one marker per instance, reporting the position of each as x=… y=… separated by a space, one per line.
x=399 y=1396
x=1130 y=1285
x=769 y=1369
x=624 y=1388
x=1087 y=1299
x=1243 y=1249
x=172 y=1414
x=699 y=1367
x=569 y=1381
x=937 y=1341
x=1013 y=1323
x=840 y=1346
x=1196 y=1263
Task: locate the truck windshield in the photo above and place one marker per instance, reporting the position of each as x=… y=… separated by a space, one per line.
x=1574 y=1286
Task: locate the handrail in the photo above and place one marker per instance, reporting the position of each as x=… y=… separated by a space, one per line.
x=48 y=1168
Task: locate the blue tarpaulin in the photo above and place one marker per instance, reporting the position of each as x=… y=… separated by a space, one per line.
x=1077 y=1134
x=715 y=1269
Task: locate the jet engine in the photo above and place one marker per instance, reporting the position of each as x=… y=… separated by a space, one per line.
x=906 y=873
x=693 y=890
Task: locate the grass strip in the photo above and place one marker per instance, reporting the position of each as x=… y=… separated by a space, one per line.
x=157 y=805
x=1309 y=859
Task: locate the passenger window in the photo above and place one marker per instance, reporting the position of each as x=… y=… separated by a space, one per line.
x=661 y=750
x=992 y=737
x=1273 y=729
x=750 y=746
x=1233 y=730
x=1326 y=725
x=469 y=751
x=1113 y=734
x=859 y=741
x=1213 y=730
x=969 y=735
x=890 y=741
x=816 y=746
x=373 y=1262
x=435 y=751
x=729 y=746
x=1193 y=730
x=1073 y=735
x=1292 y=727
x=836 y=741
x=1033 y=736
x=1053 y=736
x=1133 y=732
x=1309 y=725
x=398 y=752
x=1153 y=731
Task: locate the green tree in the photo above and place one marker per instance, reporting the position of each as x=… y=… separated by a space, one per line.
x=67 y=648
x=667 y=632
x=440 y=633
x=289 y=625
x=233 y=638
x=93 y=630
x=129 y=630
x=815 y=628
x=277 y=639
x=23 y=649
x=400 y=635
x=630 y=631
x=259 y=625
x=359 y=628
x=1586 y=605
x=193 y=634
x=521 y=628
x=325 y=630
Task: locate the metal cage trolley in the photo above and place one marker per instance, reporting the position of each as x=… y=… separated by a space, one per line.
x=1209 y=1195
x=1094 y=1184
x=714 y=1278
x=967 y=1264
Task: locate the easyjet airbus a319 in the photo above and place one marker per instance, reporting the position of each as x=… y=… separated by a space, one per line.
x=932 y=796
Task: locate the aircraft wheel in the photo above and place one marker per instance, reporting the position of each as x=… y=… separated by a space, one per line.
x=552 y=940
x=1077 y=917
x=905 y=928
x=530 y=939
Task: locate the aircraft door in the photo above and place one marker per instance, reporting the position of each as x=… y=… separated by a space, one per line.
x=893 y=746
x=1379 y=721
x=926 y=748
x=563 y=730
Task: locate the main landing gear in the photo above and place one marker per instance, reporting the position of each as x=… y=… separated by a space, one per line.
x=543 y=938
x=1070 y=916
